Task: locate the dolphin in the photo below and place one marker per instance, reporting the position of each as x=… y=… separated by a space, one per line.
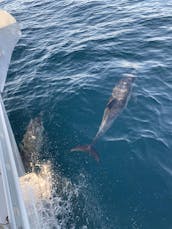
x=32 y=143
x=116 y=104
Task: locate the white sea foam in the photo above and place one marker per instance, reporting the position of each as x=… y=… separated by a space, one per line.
x=54 y=201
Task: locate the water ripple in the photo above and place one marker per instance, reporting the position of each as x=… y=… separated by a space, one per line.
x=70 y=56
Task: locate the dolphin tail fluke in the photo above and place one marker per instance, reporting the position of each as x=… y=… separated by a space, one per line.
x=89 y=149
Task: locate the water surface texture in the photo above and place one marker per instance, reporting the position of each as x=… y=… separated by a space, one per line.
x=70 y=56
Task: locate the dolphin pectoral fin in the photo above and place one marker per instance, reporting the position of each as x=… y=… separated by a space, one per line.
x=89 y=149
x=111 y=103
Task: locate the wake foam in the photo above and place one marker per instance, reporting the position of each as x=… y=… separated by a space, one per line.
x=55 y=202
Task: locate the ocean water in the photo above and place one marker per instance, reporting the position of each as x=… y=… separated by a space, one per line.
x=70 y=56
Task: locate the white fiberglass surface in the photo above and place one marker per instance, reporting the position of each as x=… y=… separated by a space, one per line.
x=15 y=205
x=9 y=35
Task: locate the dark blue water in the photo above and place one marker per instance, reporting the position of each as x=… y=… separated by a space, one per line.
x=70 y=56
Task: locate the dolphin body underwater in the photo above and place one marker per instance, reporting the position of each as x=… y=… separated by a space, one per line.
x=32 y=143
x=117 y=102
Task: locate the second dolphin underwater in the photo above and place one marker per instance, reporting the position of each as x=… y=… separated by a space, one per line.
x=117 y=102
x=32 y=143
